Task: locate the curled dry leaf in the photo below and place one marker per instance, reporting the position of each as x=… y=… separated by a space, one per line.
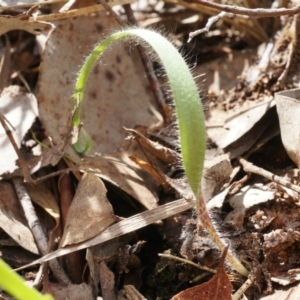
x=12 y=219
x=90 y=212
x=218 y=288
x=165 y=154
x=157 y=175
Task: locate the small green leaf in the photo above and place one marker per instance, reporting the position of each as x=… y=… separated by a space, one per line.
x=84 y=142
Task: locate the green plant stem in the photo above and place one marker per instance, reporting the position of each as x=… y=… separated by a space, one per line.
x=191 y=121
x=207 y=223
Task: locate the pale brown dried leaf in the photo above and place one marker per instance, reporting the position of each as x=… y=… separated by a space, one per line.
x=42 y=196
x=20 y=109
x=12 y=219
x=90 y=212
x=107 y=282
x=247 y=197
x=288 y=107
x=124 y=173
x=72 y=291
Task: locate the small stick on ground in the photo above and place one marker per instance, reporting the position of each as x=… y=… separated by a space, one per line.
x=37 y=230
x=250 y=168
x=241 y=291
x=255 y=12
x=187 y=262
x=209 y=23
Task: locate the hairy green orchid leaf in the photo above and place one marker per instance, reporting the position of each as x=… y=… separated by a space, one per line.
x=184 y=91
x=190 y=116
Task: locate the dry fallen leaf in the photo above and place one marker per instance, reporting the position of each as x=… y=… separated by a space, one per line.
x=104 y=251
x=247 y=197
x=12 y=219
x=21 y=22
x=156 y=174
x=288 y=107
x=243 y=121
x=118 y=169
x=291 y=276
x=5 y=64
x=90 y=212
x=107 y=282
x=218 y=288
x=71 y=291
x=292 y=293
x=167 y=155
x=216 y=173
x=42 y=196
x=20 y=109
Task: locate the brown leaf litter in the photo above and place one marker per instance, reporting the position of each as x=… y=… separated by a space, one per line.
x=254 y=200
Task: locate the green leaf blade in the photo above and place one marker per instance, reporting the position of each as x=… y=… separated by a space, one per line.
x=184 y=91
x=188 y=105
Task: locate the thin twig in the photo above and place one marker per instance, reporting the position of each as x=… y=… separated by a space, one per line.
x=187 y=262
x=37 y=230
x=250 y=168
x=255 y=12
x=209 y=23
x=240 y=292
x=30 y=4
x=37 y=284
